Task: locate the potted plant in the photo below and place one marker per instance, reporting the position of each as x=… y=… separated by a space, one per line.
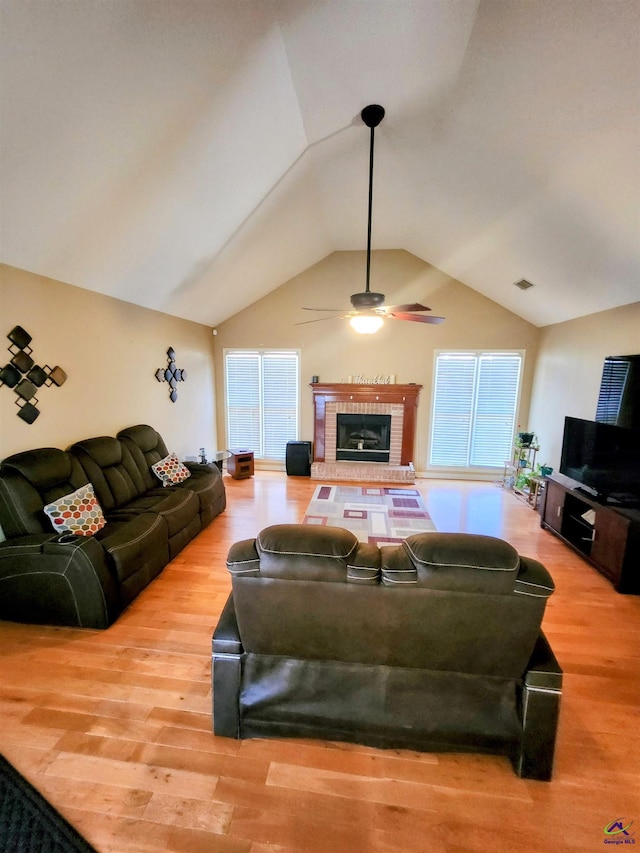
x=523 y=480
x=525 y=439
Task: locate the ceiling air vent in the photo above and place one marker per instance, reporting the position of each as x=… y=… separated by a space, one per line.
x=523 y=284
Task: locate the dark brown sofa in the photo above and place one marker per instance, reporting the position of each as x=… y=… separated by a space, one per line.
x=434 y=644
x=86 y=581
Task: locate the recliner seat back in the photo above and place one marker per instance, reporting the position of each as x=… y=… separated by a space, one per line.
x=147 y=447
x=31 y=479
x=109 y=465
x=439 y=601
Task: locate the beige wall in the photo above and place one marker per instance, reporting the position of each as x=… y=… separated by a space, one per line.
x=569 y=369
x=333 y=351
x=110 y=350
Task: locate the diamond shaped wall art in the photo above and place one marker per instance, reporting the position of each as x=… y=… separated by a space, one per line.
x=24 y=376
x=171 y=374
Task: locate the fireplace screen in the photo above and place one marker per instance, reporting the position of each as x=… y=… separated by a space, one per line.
x=363 y=438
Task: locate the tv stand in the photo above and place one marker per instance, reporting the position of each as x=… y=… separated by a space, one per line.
x=607 y=537
x=590 y=493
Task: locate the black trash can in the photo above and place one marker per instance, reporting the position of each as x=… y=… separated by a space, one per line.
x=298 y=458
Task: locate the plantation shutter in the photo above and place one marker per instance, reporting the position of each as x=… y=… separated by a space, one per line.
x=474 y=411
x=497 y=398
x=262 y=400
x=280 y=402
x=453 y=409
x=243 y=400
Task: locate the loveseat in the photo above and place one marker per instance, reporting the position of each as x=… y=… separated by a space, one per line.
x=432 y=645
x=133 y=525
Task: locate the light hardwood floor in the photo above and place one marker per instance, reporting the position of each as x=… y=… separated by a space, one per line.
x=114 y=727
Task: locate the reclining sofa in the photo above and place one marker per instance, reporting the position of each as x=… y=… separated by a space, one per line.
x=431 y=645
x=86 y=581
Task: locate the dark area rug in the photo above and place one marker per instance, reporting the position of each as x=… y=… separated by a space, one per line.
x=28 y=824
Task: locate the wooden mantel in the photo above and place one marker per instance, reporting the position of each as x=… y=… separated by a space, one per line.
x=347 y=392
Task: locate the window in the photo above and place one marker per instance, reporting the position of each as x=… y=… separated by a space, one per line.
x=262 y=400
x=474 y=409
x=615 y=377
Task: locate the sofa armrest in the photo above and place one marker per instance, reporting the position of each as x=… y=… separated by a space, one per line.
x=226 y=673
x=226 y=637
x=543 y=669
x=56 y=580
x=540 y=708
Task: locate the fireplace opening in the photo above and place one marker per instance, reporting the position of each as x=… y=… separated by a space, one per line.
x=363 y=437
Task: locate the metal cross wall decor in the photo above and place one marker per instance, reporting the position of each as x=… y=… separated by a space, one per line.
x=171 y=374
x=25 y=376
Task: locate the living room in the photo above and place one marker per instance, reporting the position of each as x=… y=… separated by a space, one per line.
x=107 y=273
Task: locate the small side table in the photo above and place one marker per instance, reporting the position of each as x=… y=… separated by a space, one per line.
x=219 y=457
x=240 y=464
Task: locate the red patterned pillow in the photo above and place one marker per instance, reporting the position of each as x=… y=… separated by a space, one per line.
x=170 y=470
x=78 y=513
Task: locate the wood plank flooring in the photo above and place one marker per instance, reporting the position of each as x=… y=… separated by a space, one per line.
x=114 y=727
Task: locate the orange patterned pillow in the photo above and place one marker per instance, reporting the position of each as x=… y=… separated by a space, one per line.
x=170 y=470
x=78 y=513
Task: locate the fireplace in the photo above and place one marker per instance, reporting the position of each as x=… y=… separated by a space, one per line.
x=363 y=437
x=388 y=430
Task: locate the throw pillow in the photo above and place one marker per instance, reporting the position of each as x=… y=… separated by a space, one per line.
x=170 y=470
x=78 y=513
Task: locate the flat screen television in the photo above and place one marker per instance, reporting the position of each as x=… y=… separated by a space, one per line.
x=604 y=459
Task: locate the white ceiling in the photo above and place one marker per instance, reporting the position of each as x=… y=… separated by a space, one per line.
x=193 y=155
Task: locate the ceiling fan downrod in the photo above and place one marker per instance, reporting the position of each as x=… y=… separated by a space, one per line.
x=371 y=115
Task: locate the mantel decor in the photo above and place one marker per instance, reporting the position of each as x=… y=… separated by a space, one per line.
x=378 y=379
x=24 y=376
x=171 y=374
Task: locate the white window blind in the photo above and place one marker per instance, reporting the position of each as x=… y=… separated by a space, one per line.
x=474 y=410
x=262 y=400
x=615 y=375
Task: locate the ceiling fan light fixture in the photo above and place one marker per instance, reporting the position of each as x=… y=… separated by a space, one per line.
x=366 y=324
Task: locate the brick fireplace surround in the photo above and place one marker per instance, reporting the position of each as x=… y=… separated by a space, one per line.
x=399 y=401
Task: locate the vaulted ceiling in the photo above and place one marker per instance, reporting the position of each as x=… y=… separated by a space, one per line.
x=193 y=155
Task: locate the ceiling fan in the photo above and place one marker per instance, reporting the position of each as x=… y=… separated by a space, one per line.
x=368 y=309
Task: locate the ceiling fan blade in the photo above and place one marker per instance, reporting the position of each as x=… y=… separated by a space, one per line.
x=416 y=318
x=323 y=309
x=404 y=308
x=320 y=319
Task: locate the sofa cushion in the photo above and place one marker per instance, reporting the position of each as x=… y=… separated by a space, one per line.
x=109 y=466
x=147 y=447
x=78 y=513
x=292 y=551
x=31 y=479
x=44 y=468
x=170 y=470
x=453 y=561
x=178 y=507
